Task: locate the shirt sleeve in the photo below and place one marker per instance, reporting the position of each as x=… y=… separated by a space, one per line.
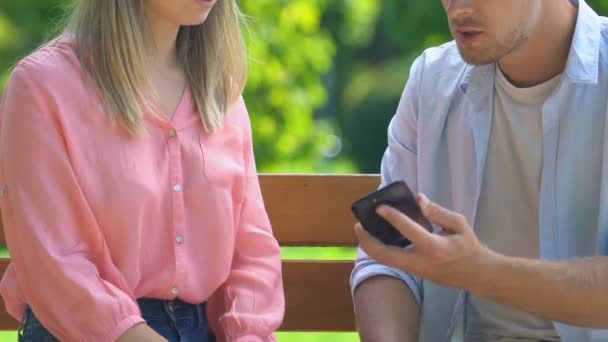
x=250 y=305
x=398 y=163
x=58 y=253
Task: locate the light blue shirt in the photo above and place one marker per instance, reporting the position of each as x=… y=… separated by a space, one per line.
x=438 y=143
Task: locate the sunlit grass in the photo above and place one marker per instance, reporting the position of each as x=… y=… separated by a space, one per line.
x=11 y=336
x=319 y=253
x=320 y=337
x=6 y=336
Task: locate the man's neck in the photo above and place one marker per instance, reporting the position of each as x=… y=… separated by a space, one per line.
x=545 y=54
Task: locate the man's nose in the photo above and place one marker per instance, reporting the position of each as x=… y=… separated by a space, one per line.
x=458 y=8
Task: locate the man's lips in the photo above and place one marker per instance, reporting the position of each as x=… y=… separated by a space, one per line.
x=467 y=31
x=466 y=35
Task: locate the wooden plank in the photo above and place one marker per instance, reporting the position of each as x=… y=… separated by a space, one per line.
x=311 y=209
x=314 y=210
x=317 y=296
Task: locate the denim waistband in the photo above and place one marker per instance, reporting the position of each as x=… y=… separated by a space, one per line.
x=175 y=319
x=176 y=309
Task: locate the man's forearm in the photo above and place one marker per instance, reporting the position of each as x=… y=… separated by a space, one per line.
x=573 y=292
x=386 y=311
x=559 y=291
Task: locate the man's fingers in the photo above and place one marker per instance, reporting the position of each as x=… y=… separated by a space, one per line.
x=372 y=246
x=414 y=232
x=447 y=219
x=388 y=255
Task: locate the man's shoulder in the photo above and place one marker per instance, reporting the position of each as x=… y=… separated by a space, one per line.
x=440 y=66
x=445 y=56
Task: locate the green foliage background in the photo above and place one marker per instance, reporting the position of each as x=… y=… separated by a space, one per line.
x=325 y=78
x=325 y=75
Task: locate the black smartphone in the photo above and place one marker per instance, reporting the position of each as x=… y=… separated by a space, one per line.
x=397 y=195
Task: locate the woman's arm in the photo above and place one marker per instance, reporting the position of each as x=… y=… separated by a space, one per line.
x=251 y=303
x=55 y=243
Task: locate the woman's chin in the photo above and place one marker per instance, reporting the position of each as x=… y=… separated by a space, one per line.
x=196 y=21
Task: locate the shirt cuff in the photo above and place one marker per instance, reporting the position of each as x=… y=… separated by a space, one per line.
x=252 y=338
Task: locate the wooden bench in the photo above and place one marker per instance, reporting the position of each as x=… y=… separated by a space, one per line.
x=305 y=210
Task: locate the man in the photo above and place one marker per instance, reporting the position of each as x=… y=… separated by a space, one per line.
x=503 y=130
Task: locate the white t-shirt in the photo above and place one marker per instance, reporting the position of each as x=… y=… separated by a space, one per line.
x=507 y=216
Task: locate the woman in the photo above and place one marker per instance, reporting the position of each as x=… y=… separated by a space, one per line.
x=130 y=199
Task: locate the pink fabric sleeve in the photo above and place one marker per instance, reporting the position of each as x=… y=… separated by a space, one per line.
x=51 y=233
x=250 y=305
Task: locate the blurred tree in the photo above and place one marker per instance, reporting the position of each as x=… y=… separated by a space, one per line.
x=24 y=25
x=289 y=53
x=372 y=68
x=601 y=6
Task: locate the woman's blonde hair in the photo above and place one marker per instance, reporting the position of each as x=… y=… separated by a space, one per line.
x=109 y=37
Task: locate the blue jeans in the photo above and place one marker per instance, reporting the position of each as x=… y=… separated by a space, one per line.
x=176 y=320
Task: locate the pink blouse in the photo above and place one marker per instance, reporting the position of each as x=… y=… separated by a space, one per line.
x=95 y=218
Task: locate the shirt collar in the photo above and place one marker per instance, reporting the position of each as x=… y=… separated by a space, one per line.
x=583 y=59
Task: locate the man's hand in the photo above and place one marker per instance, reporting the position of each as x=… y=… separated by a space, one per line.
x=454 y=257
x=553 y=290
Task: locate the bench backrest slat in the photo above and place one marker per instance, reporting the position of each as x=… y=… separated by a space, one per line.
x=309 y=210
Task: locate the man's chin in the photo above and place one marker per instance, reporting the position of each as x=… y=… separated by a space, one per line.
x=473 y=58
